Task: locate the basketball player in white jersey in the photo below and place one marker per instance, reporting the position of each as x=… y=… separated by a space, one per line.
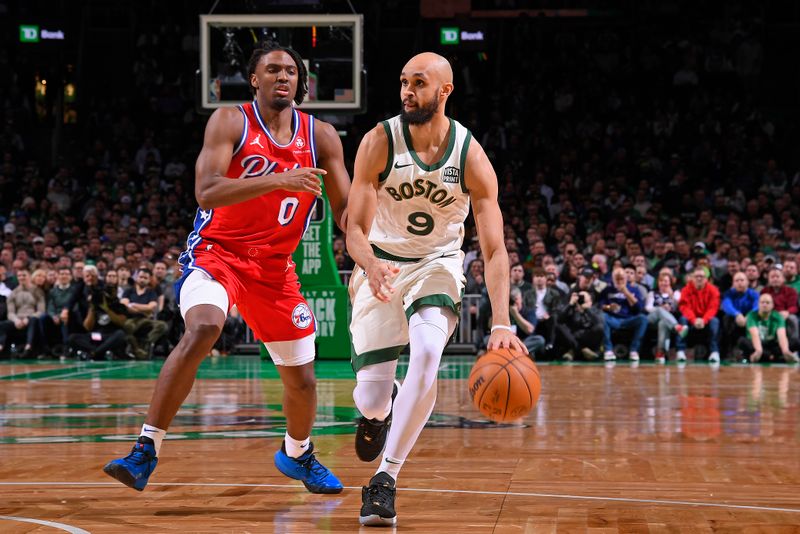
x=415 y=175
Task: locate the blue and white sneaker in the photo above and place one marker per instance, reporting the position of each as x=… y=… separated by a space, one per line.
x=315 y=477
x=135 y=469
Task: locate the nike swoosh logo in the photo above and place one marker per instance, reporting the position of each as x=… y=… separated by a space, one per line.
x=388 y=461
x=150 y=429
x=398 y=166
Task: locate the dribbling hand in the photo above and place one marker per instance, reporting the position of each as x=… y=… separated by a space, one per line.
x=304 y=179
x=502 y=338
x=379 y=276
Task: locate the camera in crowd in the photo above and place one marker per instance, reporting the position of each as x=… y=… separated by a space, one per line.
x=105 y=297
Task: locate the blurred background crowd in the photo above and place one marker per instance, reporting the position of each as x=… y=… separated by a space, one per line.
x=648 y=177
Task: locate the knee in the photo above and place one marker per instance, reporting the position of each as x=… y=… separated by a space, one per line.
x=370 y=400
x=422 y=376
x=428 y=353
x=305 y=384
x=201 y=335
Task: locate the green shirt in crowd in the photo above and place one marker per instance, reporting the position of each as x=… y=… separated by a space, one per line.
x=767 y=327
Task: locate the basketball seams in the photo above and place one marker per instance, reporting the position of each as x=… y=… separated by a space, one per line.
x=508 y=390
x=488 y=381
x=502 y=359
x=528 y=364
x=530 y=393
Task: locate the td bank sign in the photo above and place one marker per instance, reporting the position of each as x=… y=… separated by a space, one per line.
x=453 y=35
x=29 y=33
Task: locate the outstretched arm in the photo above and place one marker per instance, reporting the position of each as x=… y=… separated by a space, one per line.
x=212 y=189
x=481 y=181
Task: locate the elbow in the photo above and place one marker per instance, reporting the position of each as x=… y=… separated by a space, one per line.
x=205 y=198
x=204 y=201
x=495 y=253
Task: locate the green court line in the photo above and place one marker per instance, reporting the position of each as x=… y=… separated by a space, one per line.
x=32 y=375
x=185 y=416
x=231 y=367
x=252 y=367
x=272 y=432
x=81 y=368
x=96 y=406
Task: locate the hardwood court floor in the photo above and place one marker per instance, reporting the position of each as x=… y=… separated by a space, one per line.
x=619 y=449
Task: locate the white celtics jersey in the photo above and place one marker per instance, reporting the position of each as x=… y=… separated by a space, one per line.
x=421 y=208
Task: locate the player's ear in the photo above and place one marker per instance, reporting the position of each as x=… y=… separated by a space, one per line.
x=446 y=89
x=253 y=81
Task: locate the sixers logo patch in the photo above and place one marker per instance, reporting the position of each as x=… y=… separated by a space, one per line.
x=300 y=142
x=301 y=316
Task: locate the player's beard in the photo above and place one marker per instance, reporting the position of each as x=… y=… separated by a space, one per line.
x=422 y=113
x=280 y=103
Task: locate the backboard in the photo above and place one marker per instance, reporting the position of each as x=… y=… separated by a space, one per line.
x=330 y=45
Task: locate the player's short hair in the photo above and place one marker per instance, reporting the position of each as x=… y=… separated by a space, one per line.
x=302 y=73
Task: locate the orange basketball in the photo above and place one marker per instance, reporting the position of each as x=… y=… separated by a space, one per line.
x=504 y=385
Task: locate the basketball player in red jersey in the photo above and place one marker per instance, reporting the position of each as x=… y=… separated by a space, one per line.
x=256 y=184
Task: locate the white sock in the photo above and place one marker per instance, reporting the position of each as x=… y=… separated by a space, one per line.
x=156 y=434
x=391 y=466
x=428 y=330
x=295 y=448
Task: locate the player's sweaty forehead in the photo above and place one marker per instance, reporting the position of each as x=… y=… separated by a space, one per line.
x=278 y=59
x=429 y=66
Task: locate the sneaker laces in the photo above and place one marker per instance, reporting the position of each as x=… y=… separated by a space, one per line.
x=380 y=495
x=313 y=465
x=139 y=454
x=371 y=428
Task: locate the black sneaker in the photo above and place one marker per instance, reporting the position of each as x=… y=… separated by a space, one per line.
x=377 y=502
x=371 y=434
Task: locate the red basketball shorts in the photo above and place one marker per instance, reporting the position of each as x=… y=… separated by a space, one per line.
x=265 y=290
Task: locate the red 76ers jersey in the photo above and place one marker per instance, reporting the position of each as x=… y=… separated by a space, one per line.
x=273 y=223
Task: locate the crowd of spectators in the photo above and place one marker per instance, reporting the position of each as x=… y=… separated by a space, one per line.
x=650 y=199
x=617 y=314
x=643 y=181
x=90 y=244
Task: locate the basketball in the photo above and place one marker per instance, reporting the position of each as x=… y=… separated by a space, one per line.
x=504 y=385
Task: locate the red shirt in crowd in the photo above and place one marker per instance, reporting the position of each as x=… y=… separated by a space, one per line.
x=785 y=298
x=699 y=303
